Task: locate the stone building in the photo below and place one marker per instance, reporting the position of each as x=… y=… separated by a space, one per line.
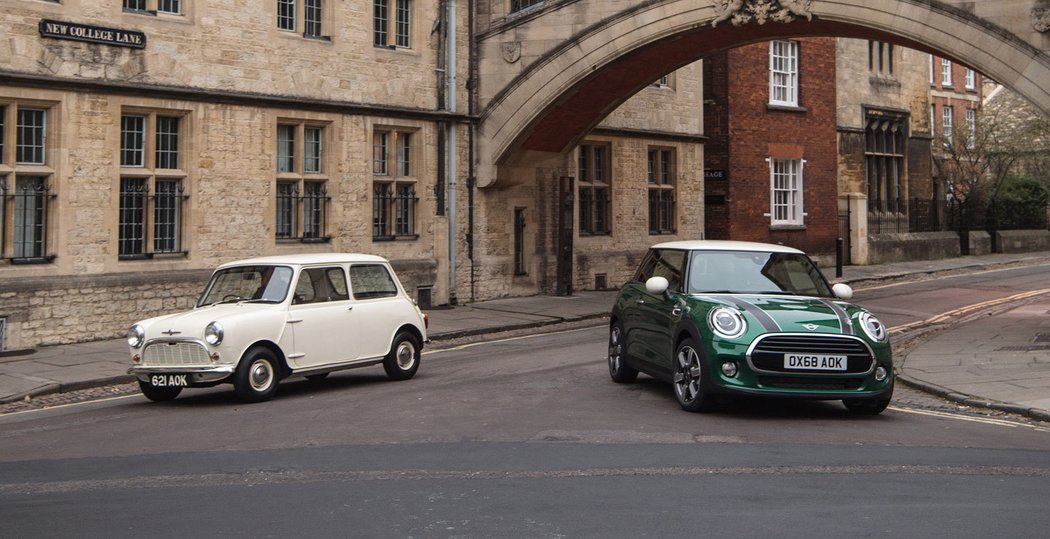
x=884 y=142
x=770 y=159
x=143 y=142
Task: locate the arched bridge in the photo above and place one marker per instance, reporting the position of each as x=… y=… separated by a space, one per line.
x=554 y=70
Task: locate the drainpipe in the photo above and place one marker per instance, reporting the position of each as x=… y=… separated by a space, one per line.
x=451 y=81
x=442 y=31
x=472 y=85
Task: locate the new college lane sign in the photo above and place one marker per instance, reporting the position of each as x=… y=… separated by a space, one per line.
x=92 y=34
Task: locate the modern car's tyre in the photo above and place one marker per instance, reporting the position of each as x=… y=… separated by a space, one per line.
x=618 y=369
x=689 y=379
x=402 y=362
x=159 y=394
x=868 y=406
x=257 y=375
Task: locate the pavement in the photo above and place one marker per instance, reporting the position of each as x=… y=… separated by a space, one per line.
x=999 y=361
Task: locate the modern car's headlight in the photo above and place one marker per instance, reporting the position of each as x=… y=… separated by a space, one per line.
x=872 y=327
x=136 y=336
x=727 y=322
x=213 y=334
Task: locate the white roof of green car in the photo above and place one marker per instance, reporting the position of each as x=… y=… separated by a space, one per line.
x=307 y=259
x=722 y=245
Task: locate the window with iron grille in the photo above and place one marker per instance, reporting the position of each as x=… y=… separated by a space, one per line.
x=593 y=186
x=662 y=172
x=884 y=142
x=783 y=73
x=392 y=32
x=301 y=210
x=152 y=186
x=26 y=196
x=518 y=5
x=286 y=15
x=785 y=192
x=394 y=195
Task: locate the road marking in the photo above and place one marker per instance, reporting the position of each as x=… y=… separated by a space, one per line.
x=963 y=417
x=969 y=309
x=901 y=283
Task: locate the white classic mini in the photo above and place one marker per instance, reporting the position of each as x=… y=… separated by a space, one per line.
x=264 y=319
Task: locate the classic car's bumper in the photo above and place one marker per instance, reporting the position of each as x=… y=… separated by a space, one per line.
x=201 y=374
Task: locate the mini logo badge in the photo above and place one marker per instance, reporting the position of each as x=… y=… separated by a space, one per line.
x=171 y=332
x=811 y=327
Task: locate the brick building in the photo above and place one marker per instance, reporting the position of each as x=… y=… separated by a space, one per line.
x=770 y=159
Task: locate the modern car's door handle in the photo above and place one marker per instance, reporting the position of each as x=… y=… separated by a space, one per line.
x=641 y=302
x=676 y=311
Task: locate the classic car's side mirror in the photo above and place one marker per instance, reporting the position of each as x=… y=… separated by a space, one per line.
x=842 y=291
x=656 y=285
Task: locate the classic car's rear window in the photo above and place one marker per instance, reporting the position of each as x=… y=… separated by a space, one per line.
x=755 y=272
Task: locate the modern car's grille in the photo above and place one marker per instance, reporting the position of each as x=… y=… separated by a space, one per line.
x=174 y=353
x=768 y=353
x=784 y=382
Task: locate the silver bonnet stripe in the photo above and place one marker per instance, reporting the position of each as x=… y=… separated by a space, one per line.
x=845 y=324
x=763 y=317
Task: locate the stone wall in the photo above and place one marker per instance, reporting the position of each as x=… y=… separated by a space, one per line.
x=887 y=248
x=1022 y=241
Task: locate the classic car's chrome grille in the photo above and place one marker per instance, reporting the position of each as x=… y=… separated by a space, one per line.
x=174 y=353
x=767 y=353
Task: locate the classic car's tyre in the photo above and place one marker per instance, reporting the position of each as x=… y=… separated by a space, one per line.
x=402 y=361
x=868 y=406
x=257 y=375
x=159 y=394
x=689 y=379
x=618 y=369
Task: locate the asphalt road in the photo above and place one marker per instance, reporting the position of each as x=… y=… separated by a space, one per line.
x=528 y=437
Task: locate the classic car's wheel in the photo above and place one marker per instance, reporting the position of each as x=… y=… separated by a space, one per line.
x=159 y=394
x=618 y=369
x=257 y=375
x=868 y=406
x=402 y=361
x=689 y=379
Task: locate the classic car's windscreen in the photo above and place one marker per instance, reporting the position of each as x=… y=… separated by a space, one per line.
x=258 y=283
x=755 y=272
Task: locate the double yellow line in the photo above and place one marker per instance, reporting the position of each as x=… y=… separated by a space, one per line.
x=969 y=309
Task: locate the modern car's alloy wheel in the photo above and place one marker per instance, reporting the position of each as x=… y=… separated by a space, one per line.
x=689 y=379
x=618 y=369
x=402 y=362
x=257 y=375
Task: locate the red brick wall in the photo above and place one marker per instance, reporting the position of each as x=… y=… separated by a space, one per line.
x=756 y=132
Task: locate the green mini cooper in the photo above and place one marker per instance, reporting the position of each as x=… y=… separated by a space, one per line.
x=719 y=318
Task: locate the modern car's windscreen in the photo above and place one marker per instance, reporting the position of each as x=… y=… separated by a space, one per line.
x=266 y=284
x=752 y=272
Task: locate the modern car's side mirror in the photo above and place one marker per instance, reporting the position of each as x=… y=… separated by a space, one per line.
x=656 y=285
x=842 y=291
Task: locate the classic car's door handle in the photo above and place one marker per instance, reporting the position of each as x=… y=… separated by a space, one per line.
x=350 y=308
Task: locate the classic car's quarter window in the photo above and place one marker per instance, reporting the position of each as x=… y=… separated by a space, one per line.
x=265 y=284
x=319 y=285
x=372 y=281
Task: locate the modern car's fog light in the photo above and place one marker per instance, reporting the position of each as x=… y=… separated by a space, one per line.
x=729 y=369
x=880 y=373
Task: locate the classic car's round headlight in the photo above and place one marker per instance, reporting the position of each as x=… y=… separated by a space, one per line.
x=136 y=336
x=872 y=327
x=727 y=322
x=213 y=334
